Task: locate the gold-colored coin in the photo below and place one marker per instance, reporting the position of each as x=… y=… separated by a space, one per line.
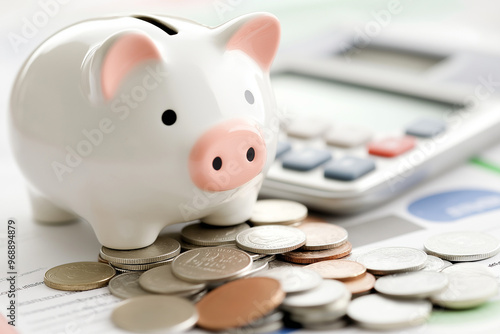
x=79 y=276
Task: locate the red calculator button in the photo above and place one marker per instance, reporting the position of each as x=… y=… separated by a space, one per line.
x=391 y=147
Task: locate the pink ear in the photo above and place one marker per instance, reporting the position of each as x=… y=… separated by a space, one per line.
x=126 y=52
x=259 y=39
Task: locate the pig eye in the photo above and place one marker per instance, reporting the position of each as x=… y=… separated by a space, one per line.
x=169 y=117
x=249 y=97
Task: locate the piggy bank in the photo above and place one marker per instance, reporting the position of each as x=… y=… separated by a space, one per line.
x=134 y=123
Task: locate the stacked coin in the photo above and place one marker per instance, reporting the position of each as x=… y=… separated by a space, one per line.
x=231 y=274
x=323 y=242
x=197 y=235
x=161 y=252
x=322 y=305
x=212 y=265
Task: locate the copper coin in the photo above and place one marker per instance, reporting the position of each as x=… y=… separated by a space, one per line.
x=342 y=270
x=321 y=236
x=361 y=285
x=239 y=303
x=317 y=256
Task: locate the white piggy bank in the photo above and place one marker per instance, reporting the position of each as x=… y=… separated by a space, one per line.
x=136 y=123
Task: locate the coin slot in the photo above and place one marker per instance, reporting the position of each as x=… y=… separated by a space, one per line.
x=166 y=28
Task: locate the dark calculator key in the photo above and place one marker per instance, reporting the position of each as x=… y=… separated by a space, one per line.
x=305 y=159
x=348 y=168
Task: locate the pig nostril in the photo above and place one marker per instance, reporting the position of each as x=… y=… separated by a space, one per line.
x=217 y=163
x=250 y=154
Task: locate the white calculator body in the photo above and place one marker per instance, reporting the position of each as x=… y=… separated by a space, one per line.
x=362 y=123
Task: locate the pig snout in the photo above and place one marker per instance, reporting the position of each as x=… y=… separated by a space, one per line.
x=227 y=156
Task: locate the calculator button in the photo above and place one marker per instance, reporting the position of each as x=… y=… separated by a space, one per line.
x=348 y=136
x=426 y=128
x=391 y=147
x=282 y=147
x=348 y=168
x=305 y=159
x=307 y=127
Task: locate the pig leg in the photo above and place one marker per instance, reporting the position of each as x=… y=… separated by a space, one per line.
x=44 y=211
x=122 y=232
x=234 y=212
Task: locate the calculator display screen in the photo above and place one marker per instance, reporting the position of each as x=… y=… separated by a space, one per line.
x=343 y=103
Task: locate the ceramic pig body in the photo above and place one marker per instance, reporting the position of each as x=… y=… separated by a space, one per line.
x=134 y=123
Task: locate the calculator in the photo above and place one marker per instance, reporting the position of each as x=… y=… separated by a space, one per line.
x=363 y=123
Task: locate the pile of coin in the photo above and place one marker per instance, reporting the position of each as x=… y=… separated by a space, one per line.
x=161 y=252
x=229 y=279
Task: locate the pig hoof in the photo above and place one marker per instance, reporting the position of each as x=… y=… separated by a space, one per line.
x=45 y=212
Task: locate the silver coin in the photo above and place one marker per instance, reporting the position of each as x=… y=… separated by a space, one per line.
x=382 y=313
x=277 y=211
x=433 y=263
x=126 y=286
x=208 y=235
x=414 y=285
x=162 y=280
x=391 y=260
x=470 y=268
x=272 y=239
x=142 y=267
x=467 y=288
x=329 y=312
x=329 y=291
x=155 y=313
x=163 y=248
x=462 y=246
x=294 y=279
x=211 y=264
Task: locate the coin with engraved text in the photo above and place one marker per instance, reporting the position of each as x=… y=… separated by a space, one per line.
x=211 y=264
x=79 y=276
x=272 y=239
